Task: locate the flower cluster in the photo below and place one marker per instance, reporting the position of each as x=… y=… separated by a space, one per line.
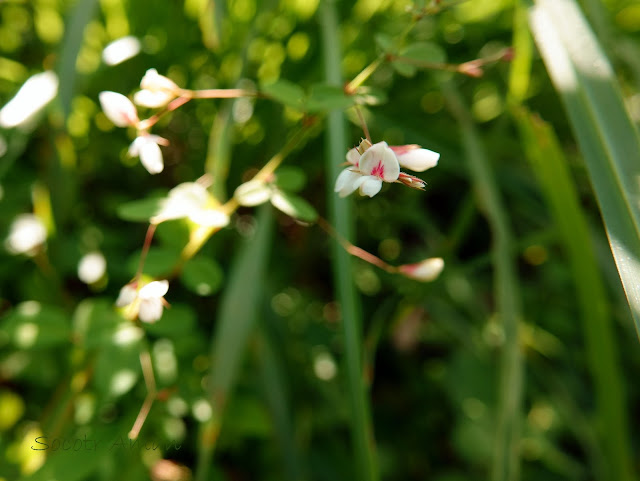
x=157 y=91
x=371 y=165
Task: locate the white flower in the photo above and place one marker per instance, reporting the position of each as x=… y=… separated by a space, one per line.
x=92 y=267
x=415 y=158
x=146 y=147
x=120 y=50
x=192 y=201
x=119 y=109
x=425 y=271
x=157 y=90
x=33 y=96
x=377 y=164
x=145 y=303
x=26 y=235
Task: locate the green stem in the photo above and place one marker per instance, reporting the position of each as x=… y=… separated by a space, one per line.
x=506 y=463
x=341 y=217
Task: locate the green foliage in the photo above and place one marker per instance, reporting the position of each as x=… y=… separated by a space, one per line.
x=280 y=340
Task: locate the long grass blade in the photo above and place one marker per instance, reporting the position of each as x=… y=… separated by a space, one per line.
x=341 y=217
x=236 y=317
x=608 y=140
x=550 y=166
x=506 y=463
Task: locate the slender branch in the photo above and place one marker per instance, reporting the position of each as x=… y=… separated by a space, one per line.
x=145 y=249
x=150 y=382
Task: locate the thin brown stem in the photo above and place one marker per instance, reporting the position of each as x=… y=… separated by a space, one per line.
x=150 y=382
x=145 y=249
x=353 y=249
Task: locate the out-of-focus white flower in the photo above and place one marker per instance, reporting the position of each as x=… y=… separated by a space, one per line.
x=425 y=271
x=192 y=201
x=377 y=164
x=92 y=267
x=157 y=90
x=145 y=303
x=26 y=235
x=33 y=96
x=120 y=50
x=146 y=147
x=414 y=158
x=119 y=109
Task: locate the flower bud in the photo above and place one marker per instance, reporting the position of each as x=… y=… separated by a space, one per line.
x=425 y=271
x=118 y=109
x=414 y=158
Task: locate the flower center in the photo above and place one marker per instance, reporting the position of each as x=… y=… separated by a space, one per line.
x=378 y=170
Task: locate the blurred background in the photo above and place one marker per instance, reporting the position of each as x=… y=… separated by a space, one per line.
x=512 y=230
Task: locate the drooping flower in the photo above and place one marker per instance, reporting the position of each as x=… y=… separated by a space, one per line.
x=119 y=109
x=425 y=271
x=145 y=303
x=192 y=201
x=157 y=90
x=373 y=164
x=146 y=146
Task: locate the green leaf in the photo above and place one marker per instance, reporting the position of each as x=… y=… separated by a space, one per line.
x=294 y=206
x=202 y=275
x=384 y=42
x=324 y=98
x=370 y=96
x=95 y=321
x=285 y=92
x=417 y=53
x=32 y=325
x=176 y=320
x=607 y=137
x=117 y=368
x=291 y=178
x=140 y=210
x=159 y=261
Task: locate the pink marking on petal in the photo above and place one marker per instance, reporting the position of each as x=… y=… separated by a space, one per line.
x=403 y=149
x=378 y=170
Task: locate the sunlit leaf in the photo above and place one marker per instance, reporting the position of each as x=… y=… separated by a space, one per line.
x=294 y=206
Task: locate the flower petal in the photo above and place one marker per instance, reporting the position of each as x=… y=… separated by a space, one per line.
x=127 y=295
x=418 y=160
x=152 y=99
x=150 y=154
x=119 y=109
x=155 y=289
x=33 y=96
x=353 y=156
x=380 y=161
x=210 y=218
x=369 y=185
x=345 y=183
x=425 y=271
x=150 y=310
x=155 y=82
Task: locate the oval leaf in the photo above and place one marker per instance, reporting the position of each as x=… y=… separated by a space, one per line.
x=290 y=178
x=202 y=275
x=294 y=206
x=140 y=210
x=285 y=92
x=254 y=192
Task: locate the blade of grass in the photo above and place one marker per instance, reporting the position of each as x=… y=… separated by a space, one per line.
x=234 y=322
x=275 y=389
x=340 y=215
x=506 y=463
x=550 y=166
x=607 y=138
